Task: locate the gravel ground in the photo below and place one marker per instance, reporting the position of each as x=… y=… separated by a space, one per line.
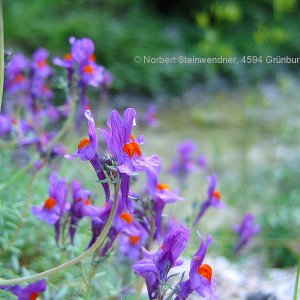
x=248 y=282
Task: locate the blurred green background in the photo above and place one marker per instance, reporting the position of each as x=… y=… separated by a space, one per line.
x=244 y=117
x=129 y=28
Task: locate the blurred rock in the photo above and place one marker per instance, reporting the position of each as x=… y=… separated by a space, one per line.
x=260 y=296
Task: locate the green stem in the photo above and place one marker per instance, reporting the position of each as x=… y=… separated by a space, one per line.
x=79 y=258
x=297 y=281
x=92 y=271
x=1 y=54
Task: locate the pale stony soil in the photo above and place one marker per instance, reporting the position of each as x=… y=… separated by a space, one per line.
x=248 y=282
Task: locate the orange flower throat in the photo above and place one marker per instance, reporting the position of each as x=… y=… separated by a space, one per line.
x=126 y=217
x=163 y=187
x=88 y=201
x=132 y=149
x=88 y=69
x=68 y=56
x=205 y=271
x=217 y=194
x=42 y=63
x=83 y=143
x=19 y=78
x=49 y=203
x=134 y=239
x=33 y=296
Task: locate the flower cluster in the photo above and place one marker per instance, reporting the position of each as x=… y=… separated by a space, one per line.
x=124 y=222
x=155 y=267
x=57 y=210
x=29 y=117
x=80 y=64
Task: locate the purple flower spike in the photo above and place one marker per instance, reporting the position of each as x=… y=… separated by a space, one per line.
x=87 y=146
x=87 y=150
x=30 y=292
x=213 y=197
x=200 y=275
x=82 y=49
x=125 y=149
x=54 y=206
x=154 y=268
x=162 y=194
x=245 y=231
x=16 y=80
x=40 y=64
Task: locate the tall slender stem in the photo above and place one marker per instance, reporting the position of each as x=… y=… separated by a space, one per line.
x=1 y=54
x=297 y=281
x=79 y=258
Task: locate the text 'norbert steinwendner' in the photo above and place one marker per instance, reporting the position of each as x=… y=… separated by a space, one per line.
x=189 y=60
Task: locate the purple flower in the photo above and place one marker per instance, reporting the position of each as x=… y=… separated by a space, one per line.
x=87 y=150
x=183 y=163
x=66 y=62
x=131 y=240
x=16 y=80
x=200 y=275
x=81 y=206
x=150 y=116
x=162 y=194
x=213 y=197
x=245 y=231
x=40 y=64
x=154 y=268
x=82 y=49
x=91 y=74
x=30 y=292
x=56 y=205
x=41 y=90
x=125 y=149
x=87 y=146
